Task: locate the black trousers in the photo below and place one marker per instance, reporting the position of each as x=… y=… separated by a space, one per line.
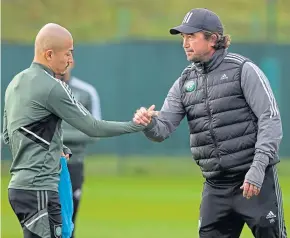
x=224 y=210
x=39 y=212
x=76 y=171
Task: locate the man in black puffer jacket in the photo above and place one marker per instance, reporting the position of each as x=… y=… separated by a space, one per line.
x=235 y=131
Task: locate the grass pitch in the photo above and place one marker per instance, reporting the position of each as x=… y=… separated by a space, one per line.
x=138 y=197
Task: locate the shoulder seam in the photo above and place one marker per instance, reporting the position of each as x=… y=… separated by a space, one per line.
x=48 y=95
x=235 y=58
x=67 y=90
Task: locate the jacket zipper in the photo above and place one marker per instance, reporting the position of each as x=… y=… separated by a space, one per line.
x=205 y=78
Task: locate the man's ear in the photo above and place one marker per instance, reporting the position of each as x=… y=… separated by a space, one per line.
x=48 y=55
x=213 y=40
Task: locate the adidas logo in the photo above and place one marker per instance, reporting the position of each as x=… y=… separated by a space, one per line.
x=224 y=77
x=270 y=215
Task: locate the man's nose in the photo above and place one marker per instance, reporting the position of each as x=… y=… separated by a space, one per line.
x=185 y=43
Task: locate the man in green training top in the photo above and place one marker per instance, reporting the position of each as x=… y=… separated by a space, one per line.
x=36 y=102
x=77 y=141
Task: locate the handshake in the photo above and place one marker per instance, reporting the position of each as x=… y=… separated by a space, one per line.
x=144 y=116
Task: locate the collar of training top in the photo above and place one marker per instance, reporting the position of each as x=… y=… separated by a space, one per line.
x=213 y=62
x=38 y=65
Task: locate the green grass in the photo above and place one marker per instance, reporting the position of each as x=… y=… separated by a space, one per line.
x=109 y=20
x=138 y=197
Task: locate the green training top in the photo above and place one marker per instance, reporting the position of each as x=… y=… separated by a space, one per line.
x=35 y=105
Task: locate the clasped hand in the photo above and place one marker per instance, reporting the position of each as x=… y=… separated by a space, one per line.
x=144 y=116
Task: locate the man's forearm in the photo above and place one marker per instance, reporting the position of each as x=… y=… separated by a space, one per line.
x=76 y=136
x=258 y=94
x=110 y=128
x=157 y=130
x=169 y=117
x=256 y=173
